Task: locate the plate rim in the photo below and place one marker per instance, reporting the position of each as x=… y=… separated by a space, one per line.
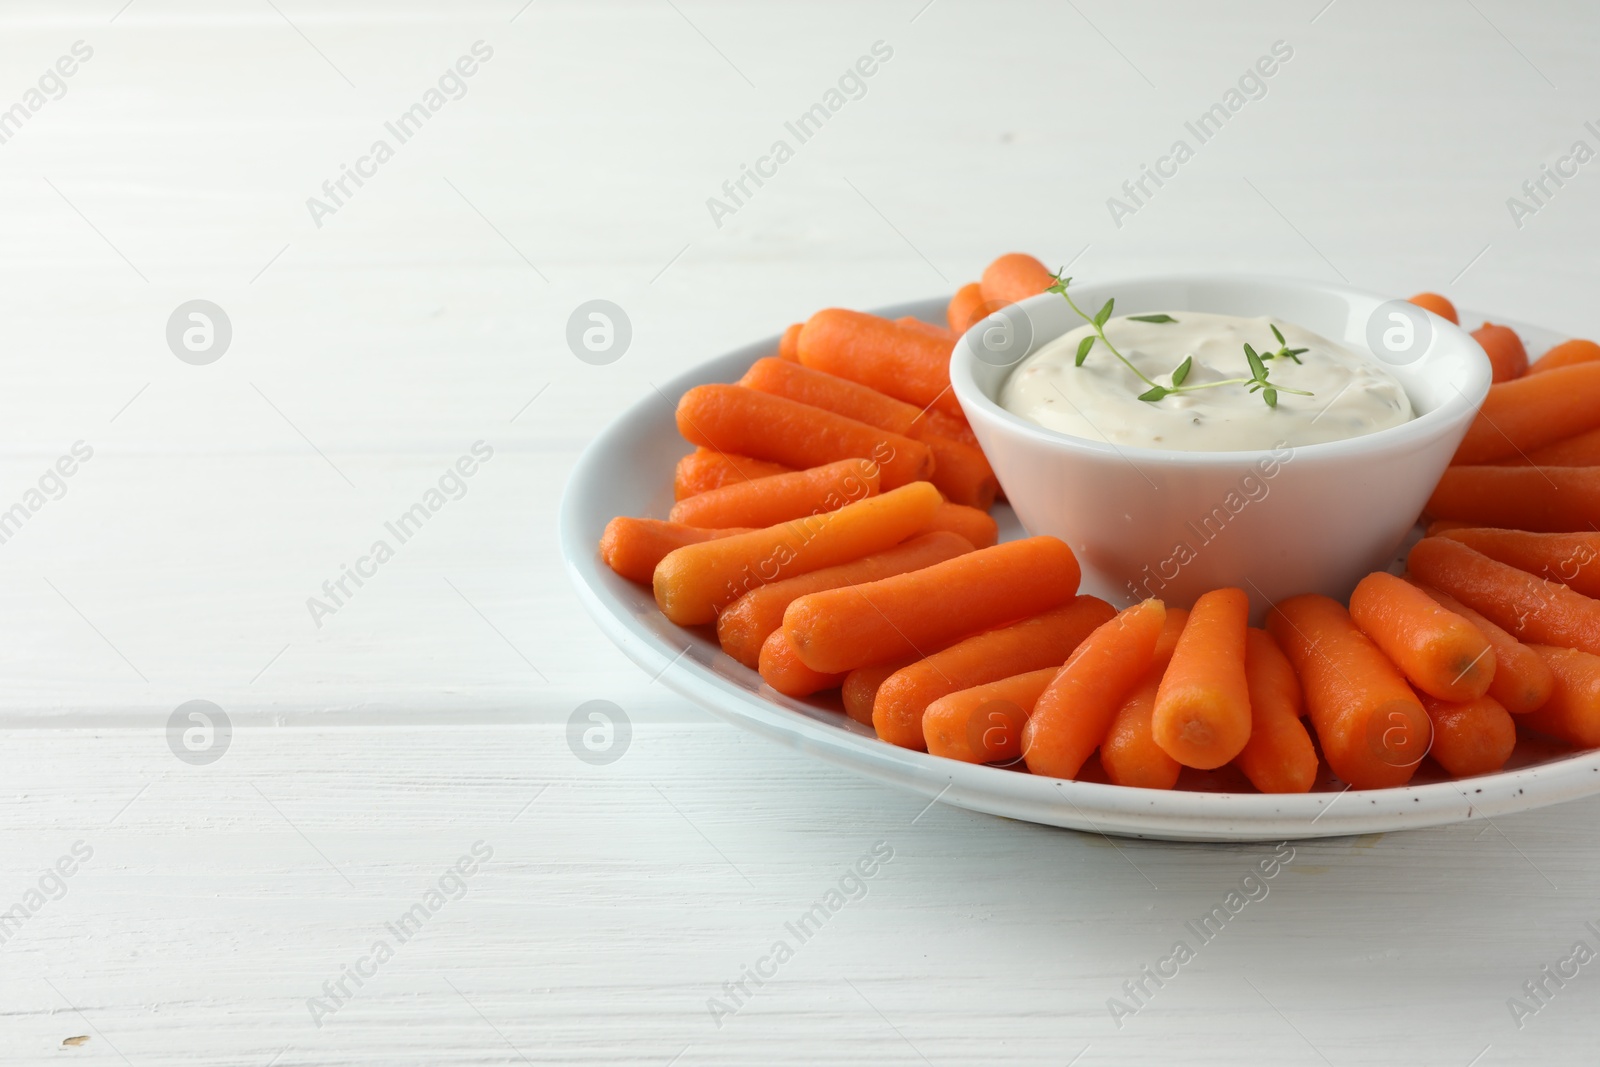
x=1122 y=810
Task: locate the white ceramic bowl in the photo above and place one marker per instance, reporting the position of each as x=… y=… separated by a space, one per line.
x=1314 y=518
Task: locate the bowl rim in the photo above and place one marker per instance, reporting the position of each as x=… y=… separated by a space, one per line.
x=1442 y=420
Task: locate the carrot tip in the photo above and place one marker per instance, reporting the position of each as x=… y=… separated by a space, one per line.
x=996 y=727
x=1399 y=734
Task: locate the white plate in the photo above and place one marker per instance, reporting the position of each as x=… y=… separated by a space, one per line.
x=627 y=470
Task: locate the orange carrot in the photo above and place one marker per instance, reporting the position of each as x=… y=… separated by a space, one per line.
x=833 y=393
x=1013 y=277
x=1372 y=728
x=1437 y=304
x=1504 y=348
x=769 y=501
x=907 y=364
x=976 y=526
x=632 y=547
x=1551 y=499
x=1279 y=757
x=1532 y=609
x=1033 y=644
x=745 y=624
x=783 y=671
x=1128 y=752
x=942 y=333
x=1202 y=713
x=1439 y=526
x=919 y=612
x=966 y=308
x=693 y=583
x=1073 y=713
x=1092 y=771
x=1566 y=354
x=959 y=471
x=860 y=688
x=731 y=418
x=984 y=724
x=1531 y=411
x=1521 y=679
x=962 y=473
x=1579 y=450
x=705 y=469
x=935 y=423
x=1573 y=559
x=1441 y=653
x=1573 y=711
x=1470 y=737
x=789 y=343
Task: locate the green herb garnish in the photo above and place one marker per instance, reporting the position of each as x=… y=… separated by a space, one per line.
x=1257 y=382
x=1284 y=351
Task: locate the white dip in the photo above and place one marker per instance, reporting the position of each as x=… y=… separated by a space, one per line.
x=1351 y=393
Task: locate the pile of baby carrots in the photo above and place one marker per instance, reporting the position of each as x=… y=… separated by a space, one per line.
x=832 y=525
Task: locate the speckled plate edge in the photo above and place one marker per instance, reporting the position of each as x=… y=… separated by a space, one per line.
x=627 y=470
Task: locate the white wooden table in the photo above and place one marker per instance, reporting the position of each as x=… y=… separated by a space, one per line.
x=611 y=911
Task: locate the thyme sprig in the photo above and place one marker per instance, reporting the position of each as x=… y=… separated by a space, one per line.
x=1258 y=382
x=1283 y=351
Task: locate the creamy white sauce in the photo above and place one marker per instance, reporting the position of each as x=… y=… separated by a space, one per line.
x=1352 y=393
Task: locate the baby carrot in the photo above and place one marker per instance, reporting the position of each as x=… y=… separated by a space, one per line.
x=1441 y=653
x=939 y=424
x=747 y=622
x=832 y=393
x=1202 y=713
x=693 y=583
x=920 y=612
x=1531 y=411
x=1504 y=348
x=1566 y=354
x=1579 y=450
x=1573 y=711
x=976 y=526
x=1573 y=559
x=1521 y=678
x=769 y=501
x=731 y=418
x=943 y=333
x=1128 y=752
x=1532 y=609
x=907 y=364
x=783 y=671
x=860 y=688
x=1279 y=757
x=1092 y=771
x=1072 y=714
x=705 y=469
x=984 y=724
x=1553 y=499
x=1439 y=526
x=966 y=308
x=1472 y=737
x=1033 y=644
x=962 y=473
x=1437 y=304
x=1013 y=277
x=1372 y=728
x=632 y=547
x=789 y=343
